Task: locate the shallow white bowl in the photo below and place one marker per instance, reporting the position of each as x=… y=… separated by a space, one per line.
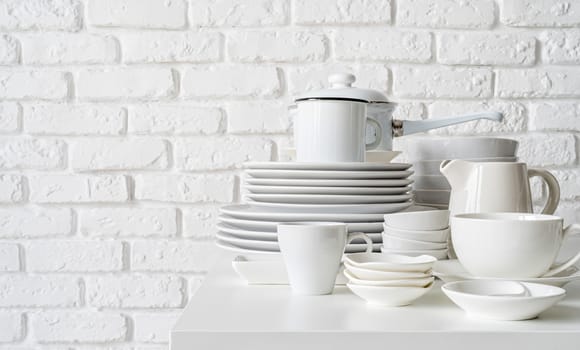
x=418 y=220
x=460 y=148
x=431 y=167
x=391 y=262
x=433 y=196
x=389 y=296
x=414 y=282
x=435 y=236
x=474 y=297
x=394 y=242
x=438 y=254
x=376 y=275
x=431 y=182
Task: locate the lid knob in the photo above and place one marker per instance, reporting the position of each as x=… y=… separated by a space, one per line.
x=341 y=80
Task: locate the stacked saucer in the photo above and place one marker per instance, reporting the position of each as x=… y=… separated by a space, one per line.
x=354 y=193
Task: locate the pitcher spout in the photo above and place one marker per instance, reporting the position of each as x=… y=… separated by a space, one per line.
x=455 y=171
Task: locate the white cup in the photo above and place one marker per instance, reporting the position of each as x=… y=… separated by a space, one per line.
x=510 y=245
x=312 y=253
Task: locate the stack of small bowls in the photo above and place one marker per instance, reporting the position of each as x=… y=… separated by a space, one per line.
x=389 y=279
x=417 y=233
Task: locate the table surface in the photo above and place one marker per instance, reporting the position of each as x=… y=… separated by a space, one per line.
x=227 y=312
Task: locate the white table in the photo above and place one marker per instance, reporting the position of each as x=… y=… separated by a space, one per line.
x=228 y=314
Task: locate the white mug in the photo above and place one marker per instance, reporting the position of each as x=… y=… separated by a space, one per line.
x=312 y=252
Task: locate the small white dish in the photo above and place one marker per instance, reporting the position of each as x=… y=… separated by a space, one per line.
x=498 y=300
x=391 y=262
x=435 y=236
x=389 y=296
x=418 y=220
x=413 y=282
x=394 y=242
x=377 y=275
x=438 y=254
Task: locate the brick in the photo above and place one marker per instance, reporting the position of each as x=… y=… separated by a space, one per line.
x=220 y=153
x=232 y=81
x=555 y=116
x=39 y=291
x=382 y=45
x=257 y=117
x=30 y=153
x=185 y=188
x=178 y=119
x=173 y=256
x=9 y=117
x=410 y=111
x=78 y=326
x=40 y=15
x=42 y=85
x=238 y=13
x=200 y=222
x=543 y=13
x=11 y=327
x=154 y=327
x=561 y=47
x=470 y=14
x=547 y=149
x=515 y=117
x=342 y=12
x=442 y=82
x=569 y=212
x=569 y=183
x=485 y=48
x=78 y=188
x=538 y=82
x=67 y=119
x=9 y=261
x=128 y=83
x=171 y=47
x=12 y=188
x=135 y=291
x=35 y=222
x=9 y=50
x=277 y=46
x=128 y=222
x=162 y=14
x=74 y=256
x=116 y=154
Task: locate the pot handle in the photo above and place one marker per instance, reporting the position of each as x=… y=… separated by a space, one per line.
x=379 y=133
x=553 y=189
x=407 y=127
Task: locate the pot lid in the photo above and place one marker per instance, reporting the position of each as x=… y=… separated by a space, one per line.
x=341 y=89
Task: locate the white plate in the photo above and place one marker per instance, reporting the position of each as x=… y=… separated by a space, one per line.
x=413 y=282
x=244 y=211
x=271 y=226
x=388 y=296
x=326 y=174
x=326 y=190
x=337 y=209
x=328 y=166
x=248 y=243
x=452 y=270
x=330 y=183
x=248 y=248
x=328 y=198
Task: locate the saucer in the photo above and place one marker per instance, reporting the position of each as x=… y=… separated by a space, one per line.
x=452 y=270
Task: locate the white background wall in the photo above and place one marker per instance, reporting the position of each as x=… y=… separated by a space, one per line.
x=124 y=124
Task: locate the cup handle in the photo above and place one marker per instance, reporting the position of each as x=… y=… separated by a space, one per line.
x=553 y=189
x=366 y=238
x=573 y=229
x=379 y=133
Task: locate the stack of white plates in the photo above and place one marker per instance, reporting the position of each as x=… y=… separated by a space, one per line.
x=358 y=194
x=431 y=187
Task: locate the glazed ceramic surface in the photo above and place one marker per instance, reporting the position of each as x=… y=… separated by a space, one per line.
x=435 y=236
x=389 y=296
x=460 y=148
x=418 y=220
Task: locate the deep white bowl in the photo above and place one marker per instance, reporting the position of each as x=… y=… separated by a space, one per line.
x=389 y=296
x=418 y=220
x=435 y=236
x=394 y=242
x=431 y=167
x=460 y=148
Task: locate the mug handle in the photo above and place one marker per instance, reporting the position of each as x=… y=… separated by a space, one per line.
x=368 y=241
x=553 y=189
x=379 y=133
x=573 y=229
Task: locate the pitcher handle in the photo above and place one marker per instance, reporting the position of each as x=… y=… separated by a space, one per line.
x=553 y=189
x=368 y=241
x=379 y=133
x=573 y=229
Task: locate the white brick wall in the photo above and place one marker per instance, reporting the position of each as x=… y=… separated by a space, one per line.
x=124 y=123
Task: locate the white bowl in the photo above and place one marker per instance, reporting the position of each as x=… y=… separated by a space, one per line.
x=372 y=156
x=413 y=282
x=376 y=275
x=460 y=148
x=474 y=297
x=394 y=242
x=391 y=262
x=430 y=182
x=389 y=296
x=418 y=220
x=431 y=167
x=435 y=236
x=433 y=196
x=438 y=254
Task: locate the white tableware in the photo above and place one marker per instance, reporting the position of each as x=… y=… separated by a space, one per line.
x=510 y=245
x=495 y=187
x=247 y=234
x=394 y=242
x=435 y=236
x=492 y=299
x=433 y=196
x=330 y=182
x=389 y=296
x=431 y=167
x=312 y=253
x=351 y=248
x=391 y=262
x=328 y=174
x=271 y=226
x=436 y=206
x=438 y=254
x=418 y=220
x=327 y=190
x=414 y=282
x=342 y=166
x=452 y=270
x=336 y=209
x=460 y=148
x=244 y=211
x=328 y=198
x=378 y=275
x=431 y=182
x=372 y=156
